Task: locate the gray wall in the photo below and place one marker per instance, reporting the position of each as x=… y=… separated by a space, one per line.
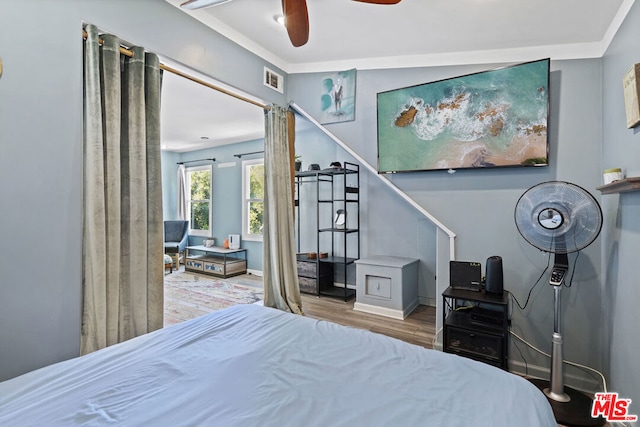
x=478 y=205
x=41 y=134
x=169 y=161
x=621 y=234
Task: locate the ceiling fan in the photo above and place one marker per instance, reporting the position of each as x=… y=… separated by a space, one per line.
x=295 y=13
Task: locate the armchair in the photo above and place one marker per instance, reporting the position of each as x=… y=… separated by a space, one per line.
x=176 y=234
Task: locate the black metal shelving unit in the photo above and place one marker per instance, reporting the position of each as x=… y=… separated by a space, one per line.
x=336 y=188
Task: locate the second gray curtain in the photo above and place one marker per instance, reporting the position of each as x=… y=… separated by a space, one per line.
x=182 y=212
x=123 y=228
x=281 y=288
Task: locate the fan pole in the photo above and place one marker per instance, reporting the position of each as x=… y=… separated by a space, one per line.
x=556 y=385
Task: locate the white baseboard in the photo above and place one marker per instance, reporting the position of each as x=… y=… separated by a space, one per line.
x=585 y=385
x=255 y=272
x=384 y=311
x=431 y=302
x=580 y=383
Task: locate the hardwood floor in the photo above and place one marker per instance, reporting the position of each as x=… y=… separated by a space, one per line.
x=418 y=328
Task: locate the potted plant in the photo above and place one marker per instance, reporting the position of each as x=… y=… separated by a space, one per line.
x=298 y=162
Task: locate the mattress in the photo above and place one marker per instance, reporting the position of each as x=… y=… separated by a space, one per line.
x=250 y=365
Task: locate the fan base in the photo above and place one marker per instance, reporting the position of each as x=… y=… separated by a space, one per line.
x=574 y=413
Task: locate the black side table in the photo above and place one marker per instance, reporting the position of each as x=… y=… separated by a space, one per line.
x=476 y=325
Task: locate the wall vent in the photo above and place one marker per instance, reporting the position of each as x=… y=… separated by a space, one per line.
x=273 y=80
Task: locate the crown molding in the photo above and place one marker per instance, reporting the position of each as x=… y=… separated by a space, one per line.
x=588 y=50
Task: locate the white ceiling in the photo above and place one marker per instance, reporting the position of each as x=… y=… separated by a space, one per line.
x=346 y=34
x=194 y=116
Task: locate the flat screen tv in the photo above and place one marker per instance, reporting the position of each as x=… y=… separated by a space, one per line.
x=490 y=119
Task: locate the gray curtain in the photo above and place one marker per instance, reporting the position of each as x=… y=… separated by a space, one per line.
x=182 y=194
x=123 y=235
x=281 y=288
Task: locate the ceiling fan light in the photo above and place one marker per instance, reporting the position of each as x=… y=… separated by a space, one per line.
x=199 y=4
x=279 y=19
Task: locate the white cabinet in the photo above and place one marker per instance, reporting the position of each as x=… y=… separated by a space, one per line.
x=387 y=285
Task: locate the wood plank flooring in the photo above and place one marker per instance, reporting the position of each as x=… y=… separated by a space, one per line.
x=418 y=328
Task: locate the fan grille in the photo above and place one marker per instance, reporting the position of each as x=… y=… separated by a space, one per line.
x=558 y=217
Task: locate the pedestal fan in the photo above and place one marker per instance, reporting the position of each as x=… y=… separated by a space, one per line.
x=560 y=217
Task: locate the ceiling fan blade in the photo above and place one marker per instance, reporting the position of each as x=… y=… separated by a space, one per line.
x=296 y=20
x=199 y=4
x=379 y=1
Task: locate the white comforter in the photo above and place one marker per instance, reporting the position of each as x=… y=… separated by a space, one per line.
x=253 y=366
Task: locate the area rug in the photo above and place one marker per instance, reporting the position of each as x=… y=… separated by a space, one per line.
x=187 y=296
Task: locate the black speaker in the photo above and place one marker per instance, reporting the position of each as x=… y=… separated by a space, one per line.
x=493 y=273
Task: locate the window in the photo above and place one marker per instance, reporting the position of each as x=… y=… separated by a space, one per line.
x=252 y=199
x=199 y=200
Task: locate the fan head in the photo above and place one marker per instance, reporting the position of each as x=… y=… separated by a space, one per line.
x=558 y=217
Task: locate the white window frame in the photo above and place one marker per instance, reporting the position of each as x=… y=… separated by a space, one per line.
x=246 y=167
x=188 y=170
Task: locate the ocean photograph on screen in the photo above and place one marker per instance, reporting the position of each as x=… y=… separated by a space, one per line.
x=489 y=119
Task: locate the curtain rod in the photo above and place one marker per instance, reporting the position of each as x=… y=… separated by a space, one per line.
x=246 y=154
x=191 y=161
x=162 y=66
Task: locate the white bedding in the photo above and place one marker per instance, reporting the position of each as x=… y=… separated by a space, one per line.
x=254 y=366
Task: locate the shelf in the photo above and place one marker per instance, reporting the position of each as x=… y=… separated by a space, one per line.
x=304 y=257
x=462 y=319
x=622 y=186
x=334 y=188
x=478 y=355
x=338 y=292
x=477 y=296
x=339 y=230
x=338 y=200
x=328 y=171
x=338 y=260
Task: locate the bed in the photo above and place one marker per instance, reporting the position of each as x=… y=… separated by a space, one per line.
x=250 y=365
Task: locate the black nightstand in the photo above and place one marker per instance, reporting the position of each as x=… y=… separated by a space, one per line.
x=476 y=325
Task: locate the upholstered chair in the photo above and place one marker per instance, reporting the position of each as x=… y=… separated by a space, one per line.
x=176 y=234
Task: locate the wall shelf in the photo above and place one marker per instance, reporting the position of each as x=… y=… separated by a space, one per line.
x=622 y=186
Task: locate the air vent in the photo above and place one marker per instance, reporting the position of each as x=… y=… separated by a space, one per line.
x=274 y=80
